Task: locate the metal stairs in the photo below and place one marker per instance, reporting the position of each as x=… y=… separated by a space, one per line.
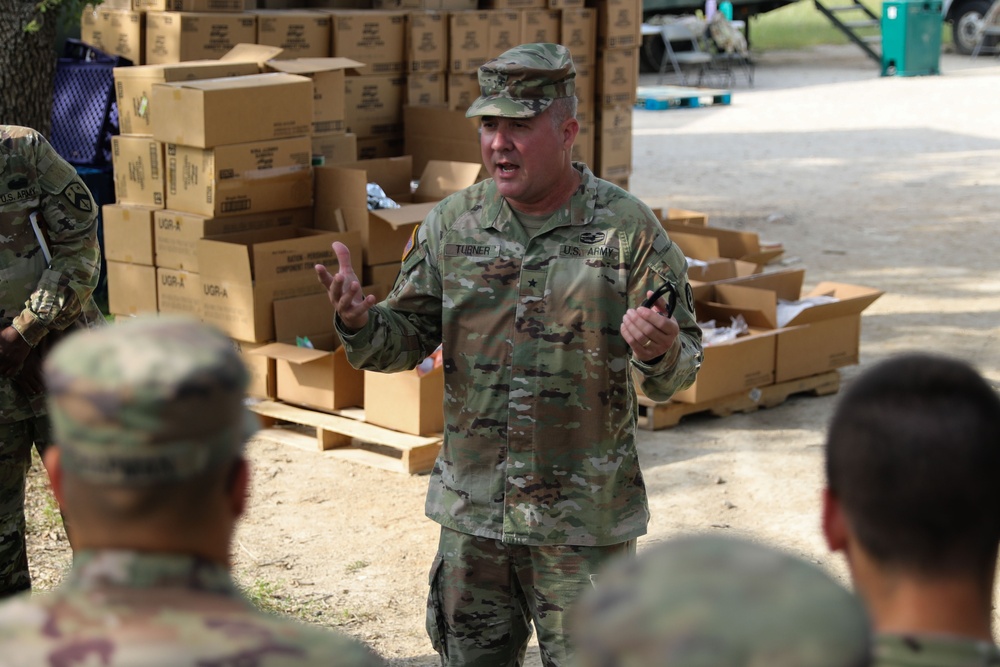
x=860 y=24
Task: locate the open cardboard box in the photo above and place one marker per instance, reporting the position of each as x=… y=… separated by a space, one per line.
x=320 y=377
x=328 y=76
x=703 y=242
x=244 y=273
x=733 y=367
x=820 y=338
x=406 y=401
x=714 y=270
x=342 y=201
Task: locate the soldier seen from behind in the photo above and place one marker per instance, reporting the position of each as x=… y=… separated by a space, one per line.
x=149 y=427
x=534 y=281
x=912 y=463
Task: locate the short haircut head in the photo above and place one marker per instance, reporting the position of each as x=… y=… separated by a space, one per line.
x=562 y=109
x=913 y=457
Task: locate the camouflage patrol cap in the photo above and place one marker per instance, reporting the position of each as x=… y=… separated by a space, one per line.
x=146 y=401
x=523 y=81
x=709 y=601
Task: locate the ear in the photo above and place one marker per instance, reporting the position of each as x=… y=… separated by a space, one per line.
x=53 y=467
x=239 y=488
x=571 y=128
x=835 y=528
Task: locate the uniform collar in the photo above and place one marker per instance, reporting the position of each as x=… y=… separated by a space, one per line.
x=131 y=569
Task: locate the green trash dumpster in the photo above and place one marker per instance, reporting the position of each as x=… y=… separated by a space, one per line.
x=911 y=37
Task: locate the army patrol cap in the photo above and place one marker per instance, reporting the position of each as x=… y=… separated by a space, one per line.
x=710 y=601
x=522 y=82
x=147 y=401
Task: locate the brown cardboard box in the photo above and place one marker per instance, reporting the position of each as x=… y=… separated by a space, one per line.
x=119 y=32
x=173 y=37
x=178 y=291
x=381 y=274
x=619 y=24
x=585 y=85
x=733 y=367
x=327 y=75
x=374 y=105
x=818 y=339
x=128 y=233
x=214 y=112
x=116 y=4
x=463 y=90
x=300 y=33
x=133 y=85
x=243 y=274
x=617 y=77
x=405 y=401
x=613 y=142
x=436 y=5
x=578 y=33
x=176 y=234
x=341 y=196
x=540 y=25
x=566 y=4
x=371 y=148
x=334 y=148
x=714 y=270
x=131 y=288
x=320 y=377
x=261 y=368
x=686 y=217
x=427 y=42
x=252 y=177
x=189 y=5
x=469 y=40
x=704 y=242
x=516 y=5
x=440 y=134
x=376 y=38
x=137 y=163
x=427 y=89
x=505 y=30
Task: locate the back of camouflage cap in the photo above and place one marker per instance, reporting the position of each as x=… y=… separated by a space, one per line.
x=150 y=400
x=710 y=601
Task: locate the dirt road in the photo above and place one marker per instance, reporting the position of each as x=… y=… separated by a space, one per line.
x=886 y=182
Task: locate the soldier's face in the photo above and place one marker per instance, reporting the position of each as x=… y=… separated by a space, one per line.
x=528 y=158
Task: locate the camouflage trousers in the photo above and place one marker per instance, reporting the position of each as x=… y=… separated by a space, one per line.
x=485 y=596
x=15 y=459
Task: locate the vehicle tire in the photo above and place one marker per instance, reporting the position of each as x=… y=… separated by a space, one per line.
x=966 y=18
x=651 y=53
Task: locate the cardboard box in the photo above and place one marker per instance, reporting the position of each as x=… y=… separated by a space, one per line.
x=342 y=202
x=189 y=5
x=327 y=75
x=173 y=37
x=566 y=4
x=178 y=291
x=469 y=41
x=613 y=142
x=381 y=274
x=505 y=30
x=583 y=147
x=374 y=105
x=686 y=217
x=371 y=148
x=131 y=288
x=243 y=274
x=540 y=25
x=617 y=77
x=117 y=31
x=405 y=401
x=251 y=177
x=427 y=88
x=128 y=233
x=818 y=339
x=578 y=33
x=704 y=242
x=134 y=85
x=619 y=24
x=733 y=367
x=445 y=5
x=300 y=33
x=433 y=133
x=715 y=270
x=176 y=234
x=463 y=90
x=585 y=93
x=137 y=163
x=263 y=382
x=426 y=42
x=215 y=112
x=334 y=148
x=516 y=5
x=320 y=377
x=376 y=38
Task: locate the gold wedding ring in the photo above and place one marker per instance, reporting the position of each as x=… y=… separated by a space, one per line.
x=649 y=341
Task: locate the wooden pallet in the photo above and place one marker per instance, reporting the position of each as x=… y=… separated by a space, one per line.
x=658 y=98
x=655 y=416
x=347 y=436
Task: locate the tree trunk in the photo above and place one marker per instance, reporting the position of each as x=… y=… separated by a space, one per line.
x=27 y=65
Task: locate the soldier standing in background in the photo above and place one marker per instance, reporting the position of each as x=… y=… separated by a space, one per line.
x=49 y=267
x=535 y=282
x=149 y=430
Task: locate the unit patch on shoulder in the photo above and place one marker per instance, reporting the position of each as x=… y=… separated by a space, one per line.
x=411 y=243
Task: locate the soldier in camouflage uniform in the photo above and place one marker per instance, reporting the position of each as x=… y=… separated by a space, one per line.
x=912 y=463
x=38 y=297
x=149 y=427
x=533 y=280
x=712 y=601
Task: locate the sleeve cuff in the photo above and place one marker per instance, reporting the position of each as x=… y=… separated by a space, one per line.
x=30 y=328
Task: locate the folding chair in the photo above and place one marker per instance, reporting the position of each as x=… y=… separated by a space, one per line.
x=730 y=46
x=990 y=27
x=693 y=57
